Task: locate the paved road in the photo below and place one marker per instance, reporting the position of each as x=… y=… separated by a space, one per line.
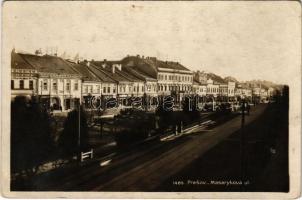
x=149 y=166
x=147 y=176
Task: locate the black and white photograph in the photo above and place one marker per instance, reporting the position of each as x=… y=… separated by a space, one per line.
x=189 y=99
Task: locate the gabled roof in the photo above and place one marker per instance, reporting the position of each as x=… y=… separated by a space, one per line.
x=172 y=65
x=139 y=74
x=118 y=75
x=100 y=74
x=17 y=62
x=165 y=64
x=86 y=73
x=49 y=64
x=114 y=76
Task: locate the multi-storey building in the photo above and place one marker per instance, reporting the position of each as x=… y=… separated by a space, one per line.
x=201 y=77
x=199 y=89
x=58 y=85
x=231 y=89
x=172 y=77
x=91 y=85
x=128 y=85
x=23 y=77
x=223 y=90
x=108 y=85
x=150 y=84
x=212 y=88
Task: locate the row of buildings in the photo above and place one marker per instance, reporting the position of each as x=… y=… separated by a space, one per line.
x=63 y=84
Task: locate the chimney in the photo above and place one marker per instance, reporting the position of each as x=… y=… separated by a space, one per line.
x=118 y=66
x=88 y=63
x=113 y=69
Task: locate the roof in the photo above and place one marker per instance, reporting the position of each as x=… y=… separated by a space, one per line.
x=172 y=65
x=86 y=73
x=118 y=75
x=165 y=64
x=100 y=74
x=110 y=62
x=139 y=74
x=17 y=62
x=49 y=64
x=153 y=63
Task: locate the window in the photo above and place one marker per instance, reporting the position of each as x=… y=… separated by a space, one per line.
x=104 y=89
x=108 y=89
x=68 y=86
x=114 y=90
x=54 y=86
x=45 y=86
x=12 y=84
x=142 y=88
x=97 y=89
x=21 y=84
x=90 y=89
x=76 y=86
x=86 y=89
x=31 y=85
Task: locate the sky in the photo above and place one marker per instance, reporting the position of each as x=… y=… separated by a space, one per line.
x=246 y=40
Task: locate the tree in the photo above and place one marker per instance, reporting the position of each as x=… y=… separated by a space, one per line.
x=69 y=142
x=31 y=141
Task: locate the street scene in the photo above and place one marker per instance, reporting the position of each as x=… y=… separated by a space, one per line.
x=142 y=141
x=140 y=99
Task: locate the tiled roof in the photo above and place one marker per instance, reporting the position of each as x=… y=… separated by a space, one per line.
x=118 y=75
x=49 y=64
x=155 y=63
x=165 y=64
x=100 y=74
x=128 y=75
x=139 y=74
x=87 y=75
x=17 y=62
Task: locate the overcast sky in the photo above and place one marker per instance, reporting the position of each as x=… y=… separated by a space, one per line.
x=247 y=40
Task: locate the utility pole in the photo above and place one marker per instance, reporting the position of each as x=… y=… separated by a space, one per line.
x=243 y=146
x=79 y=124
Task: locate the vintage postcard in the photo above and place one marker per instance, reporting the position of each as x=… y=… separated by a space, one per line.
x=151 y=99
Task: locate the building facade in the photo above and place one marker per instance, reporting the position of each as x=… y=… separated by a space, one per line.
x=58 y=85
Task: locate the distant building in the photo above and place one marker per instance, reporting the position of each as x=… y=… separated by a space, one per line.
x=201 y=77
x=172 y=77
x=212 y=88
x=199 y=89
x=223 y=90
x=271 y=91
x=231 y=89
